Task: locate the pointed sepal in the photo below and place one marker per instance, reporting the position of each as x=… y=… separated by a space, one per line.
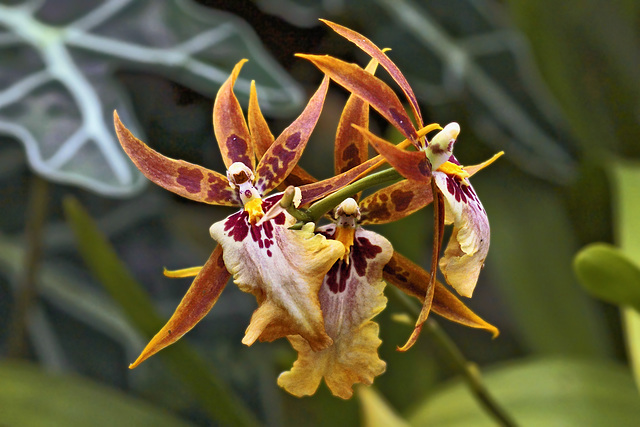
x=368 y=87
x=412 y=280
x=182 y=178
x=395 y=202
x=230 y=126
x=200 y=298
x=283 y=155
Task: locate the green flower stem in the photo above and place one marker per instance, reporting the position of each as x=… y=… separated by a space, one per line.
x=318 y=209
x=469 y=370
x=26 y=290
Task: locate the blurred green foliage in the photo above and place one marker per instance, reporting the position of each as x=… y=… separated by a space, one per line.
x=552 y=84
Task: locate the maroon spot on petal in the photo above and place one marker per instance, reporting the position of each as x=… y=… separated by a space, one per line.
x=362 y=250
x=403 y=122
x=190 y=179
x=237 y=225
x=424 y=167
x=337 y=277
x=293 y=141
x=237 y=149
x=350 y=155
x=269 y=254
x=401 y=199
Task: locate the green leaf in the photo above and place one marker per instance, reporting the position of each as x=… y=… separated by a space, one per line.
x=627 y=179
x=58 y=89
x=104 y=263
x=541 y=392
x=31 y=397
x=608 y=274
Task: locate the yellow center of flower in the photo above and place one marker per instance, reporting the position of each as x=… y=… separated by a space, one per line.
x=254 y=208
x=453 y=169
x=345 y=236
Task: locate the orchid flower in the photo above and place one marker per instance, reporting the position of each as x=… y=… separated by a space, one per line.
x=352 y=292
x=283 y=268
x=433 y=164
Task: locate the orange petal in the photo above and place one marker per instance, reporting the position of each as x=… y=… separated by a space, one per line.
x=378 y=54
x=200 y=297
x=410 y=164
x=368 y=87
x=183 y=178
x=261 y=136
x=262 y=140
x=395 y=202
x=412 y=280
x=230 y=126
x=351 y=148
x=283 y=155
x=317 y=190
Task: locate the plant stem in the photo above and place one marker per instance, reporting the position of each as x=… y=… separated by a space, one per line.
x=469 y=370
x=26 y=289
x=318 y=209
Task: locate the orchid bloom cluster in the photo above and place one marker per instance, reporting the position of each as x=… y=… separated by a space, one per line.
x=320 y=286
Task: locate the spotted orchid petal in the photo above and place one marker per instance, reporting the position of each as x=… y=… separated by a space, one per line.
x=262 y=139
x=282 y=156
x=200 y=298
x=283 y=268
x=183 y=178
x=351 y=295
x=412 y=280
x=395 y=202
x=230 y=126
x=412 y=165
x=378 y=54
x=368 y=87
x=469 y=243
x=351 y=148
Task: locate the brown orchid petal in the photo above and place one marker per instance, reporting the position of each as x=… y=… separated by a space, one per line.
x=230 y=126
x=412 y=280
x=395 y=202
x=438 y=221
x=412 y=165
x=378 y=54
x=183 y=178
x=351 y=148
x=368 y=87
x=200 y=298
x=317 y=190
x=262 y=140
x=261 y=136
x=283 y=155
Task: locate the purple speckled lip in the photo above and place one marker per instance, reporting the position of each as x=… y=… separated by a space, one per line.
x=361 y=251
x=238 y=226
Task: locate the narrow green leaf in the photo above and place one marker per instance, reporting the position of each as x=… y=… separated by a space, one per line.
x=104 y=263
x=31 y=397
x=608 y=274
x=627 y=179
x=542 y=392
